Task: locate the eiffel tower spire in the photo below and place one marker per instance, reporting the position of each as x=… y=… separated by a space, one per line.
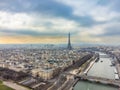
x=69 y=43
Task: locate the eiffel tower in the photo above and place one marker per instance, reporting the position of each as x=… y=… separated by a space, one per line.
x=69 y=47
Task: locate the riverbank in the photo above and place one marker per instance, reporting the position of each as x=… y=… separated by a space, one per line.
x=102 y=69
x=118 y=69
x=83 y=69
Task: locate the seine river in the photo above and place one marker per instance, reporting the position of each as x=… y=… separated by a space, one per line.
x=101 y=68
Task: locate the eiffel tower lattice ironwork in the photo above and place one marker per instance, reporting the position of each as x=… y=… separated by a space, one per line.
x=69 y=47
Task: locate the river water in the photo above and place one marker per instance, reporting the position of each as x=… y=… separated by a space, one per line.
x=102 y=68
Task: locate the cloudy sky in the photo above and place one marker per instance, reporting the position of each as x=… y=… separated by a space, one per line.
x=49 y=21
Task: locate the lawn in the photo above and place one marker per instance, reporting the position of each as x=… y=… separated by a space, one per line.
x=0 y=82
x=3 y=87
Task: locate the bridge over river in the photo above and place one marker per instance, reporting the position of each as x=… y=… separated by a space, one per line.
x=99 y=80
x=96 y=79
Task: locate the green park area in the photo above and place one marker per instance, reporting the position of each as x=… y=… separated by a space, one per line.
x=3 y=87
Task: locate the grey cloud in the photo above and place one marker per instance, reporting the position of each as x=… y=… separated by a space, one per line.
x=47 y=7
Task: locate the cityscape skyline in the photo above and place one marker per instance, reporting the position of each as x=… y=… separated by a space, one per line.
x=49 y=21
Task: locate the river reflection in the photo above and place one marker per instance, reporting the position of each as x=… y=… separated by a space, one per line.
x=102 y=68
x=83 y=85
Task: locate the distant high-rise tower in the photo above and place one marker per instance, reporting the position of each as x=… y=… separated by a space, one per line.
x=69 y=43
